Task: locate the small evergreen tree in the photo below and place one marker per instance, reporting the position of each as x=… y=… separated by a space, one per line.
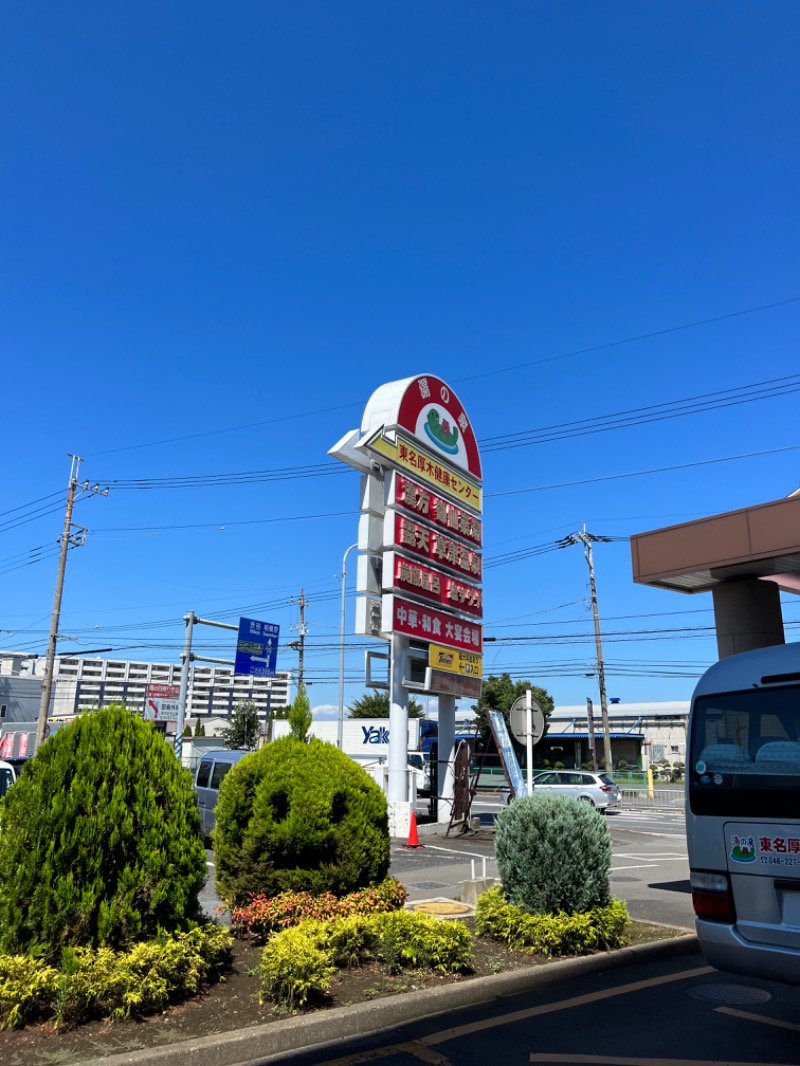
x=187 y=731
x=298 y=816
x=300 y=717
x=100 y=840
x=376 y=705
x=199 y=728
x=553 y=854
x=242 y=734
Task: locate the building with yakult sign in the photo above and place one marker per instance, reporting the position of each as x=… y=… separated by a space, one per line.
x=420 y=564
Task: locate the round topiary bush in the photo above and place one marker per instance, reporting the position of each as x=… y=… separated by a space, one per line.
x=299 y=817
x=553 y=854
x=99 y=840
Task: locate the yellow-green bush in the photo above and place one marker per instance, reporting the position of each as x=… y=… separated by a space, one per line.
x=297 y=964
x=598 y=929
x=95 y=982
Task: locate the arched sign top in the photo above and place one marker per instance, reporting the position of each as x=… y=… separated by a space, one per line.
x=427 y=409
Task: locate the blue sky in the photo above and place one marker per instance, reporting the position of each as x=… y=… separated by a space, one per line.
x=224 y=227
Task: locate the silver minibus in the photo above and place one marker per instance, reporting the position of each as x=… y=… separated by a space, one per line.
x=743 y=812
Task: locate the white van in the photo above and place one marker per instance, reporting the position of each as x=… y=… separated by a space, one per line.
x=743 y=812
x=7 y=777
x=210 y=774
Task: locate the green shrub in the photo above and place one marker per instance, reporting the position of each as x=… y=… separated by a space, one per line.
x=101 y=840
x=94 y=982
x=296 y=817
x=598 y=929
x=295 y=969
x=553 y=854
x=297 y=964
x=28 y=989
x=262 y=917
x=420 y=941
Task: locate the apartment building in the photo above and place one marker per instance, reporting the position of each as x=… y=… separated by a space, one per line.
x=80 y=684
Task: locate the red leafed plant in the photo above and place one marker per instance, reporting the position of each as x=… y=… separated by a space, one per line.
x=264 y=916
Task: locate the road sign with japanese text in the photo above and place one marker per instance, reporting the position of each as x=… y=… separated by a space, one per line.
x=256 y=648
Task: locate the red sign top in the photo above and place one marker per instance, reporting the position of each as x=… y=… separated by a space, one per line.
x=433 y=414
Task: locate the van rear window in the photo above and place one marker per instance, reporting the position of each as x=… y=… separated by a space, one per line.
x=203 y=774
x=220 y=769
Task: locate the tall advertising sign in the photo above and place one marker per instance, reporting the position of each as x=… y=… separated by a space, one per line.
x=421 y=529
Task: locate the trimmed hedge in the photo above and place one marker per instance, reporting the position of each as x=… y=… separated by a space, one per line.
x=263 y=917
x=95 y=982
x=299 y=817
x=598 y=929
x=100 y=844
x=553 y=854
x=297 y=965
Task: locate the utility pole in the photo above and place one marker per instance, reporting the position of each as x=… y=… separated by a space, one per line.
x=67 y=539
x=299 y=644
x=586 y=539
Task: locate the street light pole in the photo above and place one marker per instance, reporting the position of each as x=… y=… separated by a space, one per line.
x=340 y=727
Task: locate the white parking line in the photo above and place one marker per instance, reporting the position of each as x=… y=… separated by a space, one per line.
x=639 y=866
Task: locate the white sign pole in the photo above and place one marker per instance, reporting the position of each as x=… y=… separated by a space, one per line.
x=529 y=738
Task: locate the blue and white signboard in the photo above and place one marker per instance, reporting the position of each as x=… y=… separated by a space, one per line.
x=507 y=754
x=256 y=648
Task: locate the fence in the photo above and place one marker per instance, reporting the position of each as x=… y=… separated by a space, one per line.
x=672 y=799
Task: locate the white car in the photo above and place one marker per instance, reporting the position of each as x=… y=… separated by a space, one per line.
x=595 y=788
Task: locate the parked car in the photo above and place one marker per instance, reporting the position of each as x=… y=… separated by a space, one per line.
x=213 y=767
x=7 y=777
x=595 y=788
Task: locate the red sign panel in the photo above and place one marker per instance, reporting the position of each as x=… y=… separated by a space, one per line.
x=434 y=585
x=428 y=623
x=163 y=692
x=413 y=497
x=438 y=547
x=433 y=413
x=6 y=745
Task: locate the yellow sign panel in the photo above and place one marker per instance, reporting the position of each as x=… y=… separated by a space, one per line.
x=409 y=456
x=455 y=661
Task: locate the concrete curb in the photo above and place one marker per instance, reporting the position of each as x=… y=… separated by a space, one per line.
x=243 y=1046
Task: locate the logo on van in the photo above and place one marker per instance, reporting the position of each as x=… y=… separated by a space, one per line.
x=375 y=734
x=743 y=849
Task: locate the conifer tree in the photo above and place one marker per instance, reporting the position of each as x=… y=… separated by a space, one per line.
x=298 y=816
x=100 y=840
x=300 y=717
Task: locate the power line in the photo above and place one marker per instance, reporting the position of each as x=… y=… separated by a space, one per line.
x=488 y=373
x=643 y=473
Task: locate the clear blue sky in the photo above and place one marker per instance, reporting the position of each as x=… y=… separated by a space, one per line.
x=252 y=215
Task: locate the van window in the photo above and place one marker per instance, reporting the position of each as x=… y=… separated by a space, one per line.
x=203 y=774
x=6 y=780
x=220 y=769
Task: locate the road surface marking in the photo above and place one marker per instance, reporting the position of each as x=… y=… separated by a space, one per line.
x=618 y=1060
x=564 y=1004
x=758 y=1018
x=639 y=866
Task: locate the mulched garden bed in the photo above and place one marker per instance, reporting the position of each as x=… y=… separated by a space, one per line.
x=233 y=1004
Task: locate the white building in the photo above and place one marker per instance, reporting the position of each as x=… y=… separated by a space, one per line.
x=82 y=684
x=659 y=728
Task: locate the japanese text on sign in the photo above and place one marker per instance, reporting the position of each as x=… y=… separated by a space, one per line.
x=439 y=512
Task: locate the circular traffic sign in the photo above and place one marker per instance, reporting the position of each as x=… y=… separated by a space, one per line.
x=518 y=718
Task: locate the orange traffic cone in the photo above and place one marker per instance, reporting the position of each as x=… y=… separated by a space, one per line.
x=413 y=839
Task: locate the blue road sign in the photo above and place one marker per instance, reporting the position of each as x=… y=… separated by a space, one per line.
x=256 y=648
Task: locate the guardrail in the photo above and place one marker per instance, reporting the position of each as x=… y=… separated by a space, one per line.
x=659 y=799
